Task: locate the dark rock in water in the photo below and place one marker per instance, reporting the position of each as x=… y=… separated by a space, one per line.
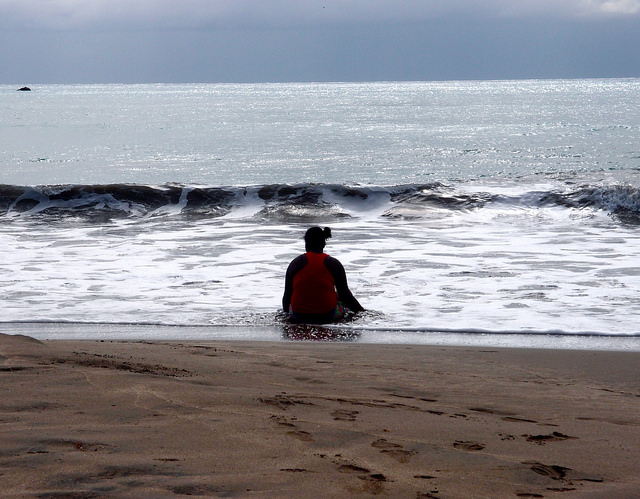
x=24 y=89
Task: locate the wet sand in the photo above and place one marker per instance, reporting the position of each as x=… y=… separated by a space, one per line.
x=303 y=419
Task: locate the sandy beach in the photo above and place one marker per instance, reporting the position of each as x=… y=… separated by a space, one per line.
x=302 y=419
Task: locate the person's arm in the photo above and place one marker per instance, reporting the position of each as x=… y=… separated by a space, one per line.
x=344 y=293
x=292 y=270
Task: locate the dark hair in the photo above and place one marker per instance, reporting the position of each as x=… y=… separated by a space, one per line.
x=315 y=238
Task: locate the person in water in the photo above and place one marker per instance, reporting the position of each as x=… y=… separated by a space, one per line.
x=316 y=289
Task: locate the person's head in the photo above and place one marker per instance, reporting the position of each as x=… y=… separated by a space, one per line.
x=315 y=239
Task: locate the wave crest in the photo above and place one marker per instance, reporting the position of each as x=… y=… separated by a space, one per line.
x=622 y=201
x=305 y=201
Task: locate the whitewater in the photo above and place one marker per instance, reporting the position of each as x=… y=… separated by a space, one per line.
x=492 y=212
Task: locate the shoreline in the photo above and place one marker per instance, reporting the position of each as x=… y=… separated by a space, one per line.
x=288 y=419
x=554 y=340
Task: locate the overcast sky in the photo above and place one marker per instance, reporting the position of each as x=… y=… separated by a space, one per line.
x=144 y=41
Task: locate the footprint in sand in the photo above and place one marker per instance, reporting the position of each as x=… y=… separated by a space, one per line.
x=352 y=468
x=556 y=472
x=550 y=470
x=487 y=410
x=283 y=401
x=195 y=490
x=282 y=421
x=74 y=444
x=383 y=443
x=305 y=436
x=301 y=435
x=514 y=419
x=553 y=437
x=394 y=451
x=470 y=446
x=343 y=415
x=374 y=481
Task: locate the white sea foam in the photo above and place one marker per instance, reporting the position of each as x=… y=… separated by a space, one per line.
x=508 y=271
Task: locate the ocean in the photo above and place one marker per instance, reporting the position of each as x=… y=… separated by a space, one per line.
x=465 y=212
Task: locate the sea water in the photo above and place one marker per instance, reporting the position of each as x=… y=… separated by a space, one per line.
x=462 y=211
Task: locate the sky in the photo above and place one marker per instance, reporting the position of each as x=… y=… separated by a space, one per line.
x=198 y=41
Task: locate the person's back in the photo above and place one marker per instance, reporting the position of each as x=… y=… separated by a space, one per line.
x=316 y=283
x=314 y=287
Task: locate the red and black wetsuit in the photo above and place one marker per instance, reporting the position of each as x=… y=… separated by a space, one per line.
x=314 y=284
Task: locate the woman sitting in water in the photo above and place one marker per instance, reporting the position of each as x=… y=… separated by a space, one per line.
x=316 y=284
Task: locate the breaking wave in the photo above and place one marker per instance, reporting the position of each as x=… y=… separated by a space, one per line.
x=304 y=201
